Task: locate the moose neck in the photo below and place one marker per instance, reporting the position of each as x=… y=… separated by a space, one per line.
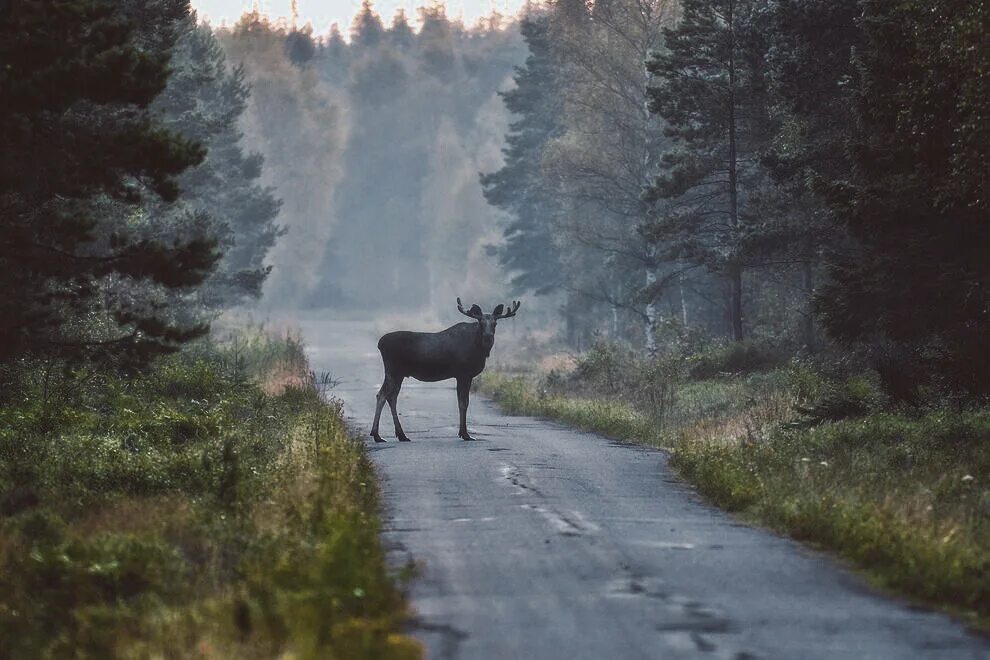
x=486 y=351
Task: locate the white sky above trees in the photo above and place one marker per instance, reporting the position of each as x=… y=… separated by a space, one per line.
x=322 y=13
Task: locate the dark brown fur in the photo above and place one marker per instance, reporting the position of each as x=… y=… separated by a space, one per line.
x=458 y=352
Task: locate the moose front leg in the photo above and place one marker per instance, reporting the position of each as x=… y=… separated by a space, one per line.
x=463 y=392
x=380 y=399
x=392 y=397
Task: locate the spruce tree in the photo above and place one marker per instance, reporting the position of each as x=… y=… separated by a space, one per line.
x=81 y=159
x=401 y=33
x=367 y=30
x=519 y=187
x=810 y=64
x=915 y=195
x=204 y=101
x=709 y=87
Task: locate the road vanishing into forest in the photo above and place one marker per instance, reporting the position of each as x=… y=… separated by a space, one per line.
x=539 y=541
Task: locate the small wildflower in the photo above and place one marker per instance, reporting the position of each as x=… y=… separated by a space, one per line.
x=805 y=460
x=824 y=463
x=968 y=479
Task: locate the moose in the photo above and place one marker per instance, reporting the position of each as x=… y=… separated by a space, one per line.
x=458 y=352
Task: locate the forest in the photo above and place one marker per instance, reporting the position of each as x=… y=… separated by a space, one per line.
x=752 y=232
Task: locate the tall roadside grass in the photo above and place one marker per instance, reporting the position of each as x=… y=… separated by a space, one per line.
x=895 y=494
x=213 y=506
x=820 y=454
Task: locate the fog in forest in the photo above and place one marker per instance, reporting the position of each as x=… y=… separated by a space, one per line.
x=374 y=142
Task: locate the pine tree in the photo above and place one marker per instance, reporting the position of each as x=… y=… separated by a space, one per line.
x=519 y=187
x=810 y=63
x=299 y=46
x=916 y=195
x=710 y=88
x=367 y=30
x=81 y=158
x=401 y=33
x=204 y=101
x=435 y=43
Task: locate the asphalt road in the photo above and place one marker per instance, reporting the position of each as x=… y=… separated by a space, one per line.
x=538 y=541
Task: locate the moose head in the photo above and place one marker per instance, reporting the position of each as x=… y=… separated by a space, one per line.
x=487 y=322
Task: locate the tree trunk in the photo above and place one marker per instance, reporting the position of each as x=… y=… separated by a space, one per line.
x=735 y=271
x=735 y=303
x=570 y=329
x=615 y=313
x=650 y=324
x=808 y=319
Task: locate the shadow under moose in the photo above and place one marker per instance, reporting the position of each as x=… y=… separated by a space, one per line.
x=458 y=352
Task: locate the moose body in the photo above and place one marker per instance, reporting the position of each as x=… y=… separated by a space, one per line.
x=459 y=352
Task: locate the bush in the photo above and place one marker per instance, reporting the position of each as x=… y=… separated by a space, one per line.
x=657 y=382
x=853 y=397
x=607 y=368
x=955 y=368
x=734 y=358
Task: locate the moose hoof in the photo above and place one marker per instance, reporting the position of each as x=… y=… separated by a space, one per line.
x=466 y=436
x=377 y=437
x=402 y=438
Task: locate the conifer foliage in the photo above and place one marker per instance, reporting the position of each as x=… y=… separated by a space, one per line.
x=81 y=159
x=709 y=87
x=519 y=187
x=915 y=194
x=203 y=101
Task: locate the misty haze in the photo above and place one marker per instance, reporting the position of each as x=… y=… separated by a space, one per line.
x=375 y=148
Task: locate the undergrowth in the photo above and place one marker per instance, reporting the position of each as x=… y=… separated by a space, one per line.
x=817 y=452
x=213 y=506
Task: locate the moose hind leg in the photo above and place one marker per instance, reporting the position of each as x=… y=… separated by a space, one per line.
x=392 y=398
x=380 y=399
x=463 y=393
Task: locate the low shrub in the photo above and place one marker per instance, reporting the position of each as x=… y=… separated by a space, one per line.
x=607 y=368
x=856 y=396
x=729 y=358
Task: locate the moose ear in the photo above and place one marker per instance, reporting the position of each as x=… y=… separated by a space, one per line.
x=476 y=312
x=498 y=310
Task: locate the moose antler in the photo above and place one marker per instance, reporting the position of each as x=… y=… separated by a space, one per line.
x=475 y=311
x=513 y=308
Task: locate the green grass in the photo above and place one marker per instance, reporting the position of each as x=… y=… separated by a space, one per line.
x=518 y=395
x=903 y=496
x=212 y=507
x=888 y=492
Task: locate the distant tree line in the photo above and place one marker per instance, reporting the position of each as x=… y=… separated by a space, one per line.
x=130 y=214
x=375 y=142
x=799 y=171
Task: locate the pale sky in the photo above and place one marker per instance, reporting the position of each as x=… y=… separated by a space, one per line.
x=321 y=13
